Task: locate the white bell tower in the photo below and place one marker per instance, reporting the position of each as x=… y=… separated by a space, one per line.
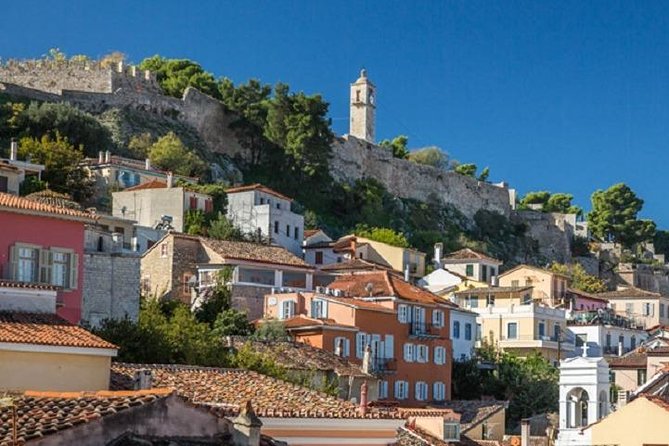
x=363 y=108
x=584 y=397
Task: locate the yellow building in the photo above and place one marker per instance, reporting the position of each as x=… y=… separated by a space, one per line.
x=512 y=320
x=642 y=422
x=646 y=309
x=393 y=257
x=547 y=286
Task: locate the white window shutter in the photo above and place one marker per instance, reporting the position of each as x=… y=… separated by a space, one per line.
x=402 y=313
x=397 y=390
x=389 y=347
x=426 y=350
x=360 y=344
x=347 y=347
x=74 y=271
x=408 y=352
x=324 y=306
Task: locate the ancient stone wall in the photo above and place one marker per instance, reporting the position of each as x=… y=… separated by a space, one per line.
x=354 y=159
x=554 y=233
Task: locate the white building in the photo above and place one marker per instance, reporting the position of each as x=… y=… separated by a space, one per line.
x=611 y=336
x=256 y=209
x=584 y=397
x=441 y=281
x=319 y=248
x=463 y=333
x=472 y=264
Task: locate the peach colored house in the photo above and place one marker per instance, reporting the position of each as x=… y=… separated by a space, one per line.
x=547 y=286
x=405 y=328
x=646 y=308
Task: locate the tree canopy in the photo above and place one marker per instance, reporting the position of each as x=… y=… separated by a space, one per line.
x=398 y=146
x=383 y=235
x=614 y=216
x=175 y=75
x=430 y=156
x=548 y=202
x=580 y=279
x=169 y=153
x=470 y=169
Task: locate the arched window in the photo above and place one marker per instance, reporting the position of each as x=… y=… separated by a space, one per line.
x=577 y=408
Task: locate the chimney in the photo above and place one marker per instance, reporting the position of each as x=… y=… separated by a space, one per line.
x=13 y=150
x=407 y=278
x=354 y=247
x=525 y=432
x=363 y=398
x=107 y=156
x=367 y=360
x=147 y=164
x=246 y=427
x=438 y=253
x=339 y=348
x=622 y=398
x=170 y=180
x=101 y=157
x=143 y=379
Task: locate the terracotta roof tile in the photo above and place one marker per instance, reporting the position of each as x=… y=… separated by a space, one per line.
x=46 y=329
x=28 y=285
x=636 y=359
x=227 y=390
x=470 y=254
x=153 y=184
x=494 y=290
x=382 y=284
x=309 y=232
x=631 y=292
x=21 y=204
x=301 y=321
x=54 y=199
x=256 y=252
x=474 y=412
x=40 y=414
x=355 y=265
x=259 y=187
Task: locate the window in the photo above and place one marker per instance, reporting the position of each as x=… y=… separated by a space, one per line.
x=439 y=355
x=484 y=273
x=633 y=342
x=608 y=341
x=27 y=264
x=4 y=184
x=287 y=309
x=276 y=227
x=403 y=313
x=342 y=346
x=439 y=391
x=357 y=95
x=515 y=283
x=469 y=270
x=401 y=390
x=319 y=258
x=360 y=344
x=490 y=300
x=409 y=352
x=473 y=301
x=208 y=205
x=319 y=309
x=451 y=431
x=163 y=250
x=621 y=340
x=468 y=331
x=648 y=309
x=383 y=389
x=556 y=331
x=641 y=377
x=456 y=329
x=60 y=269
x=422 y=353
x=193 y=203
x=478 y=332
x=421 y=391
x=527 y=299
x=629 y=308
x=278 y=205
x=542 y=329
x=262 y=200
x=528 y=282
x=297 y=233
x=438 y=318
x=512 y=330
x=287 y=230
x=185 y=284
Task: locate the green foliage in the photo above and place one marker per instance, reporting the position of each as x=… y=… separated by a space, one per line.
x=580 y=279
x=614 y=216
x=530 y=385
x=383 y=235
x=31 y=184
x=175 y=75
x=466 y=169
x=231 y=322
x=215 y=190
x=661 y=242
x=540 y=197
x=485 y=173
x=139 y=145
x=430 y=156
x=195 y=222
x=560 y=202
x=80 y=128
x=61 y=159
x=221 y=228
x=271 y=330
x=169 y=153
x=398 y=146
x=247 y=358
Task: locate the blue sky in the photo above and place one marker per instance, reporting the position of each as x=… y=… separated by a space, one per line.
x=566 y=96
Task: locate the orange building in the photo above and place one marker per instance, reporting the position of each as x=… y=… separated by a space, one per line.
x=391 y=328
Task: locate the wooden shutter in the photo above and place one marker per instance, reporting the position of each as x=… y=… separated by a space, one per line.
x=45 y=261
x=12 y=272
x=74 y=271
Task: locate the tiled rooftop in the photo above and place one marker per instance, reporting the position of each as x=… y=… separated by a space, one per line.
x=534 y=268
x=474 y=412
x=469 y=254
x=494 y=290
x=355 y=265
x=53 y=198
x=229 y=389
x=382 y=284
x=300 y=356
x=22 y=204
x=636 y=359
x=256 y=252
x=46 y=329
x=27 y=285
x=44 y=413
x=631 y=292
x=304 y=321
x=153 y=184
x=258 y=187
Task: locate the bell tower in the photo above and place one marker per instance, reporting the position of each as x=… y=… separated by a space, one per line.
x=363 y=108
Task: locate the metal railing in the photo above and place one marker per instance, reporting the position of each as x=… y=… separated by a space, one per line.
x=423 y=329
x=384 y=365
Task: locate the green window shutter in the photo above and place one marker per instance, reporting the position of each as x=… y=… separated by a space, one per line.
x=45 y=260
x=13 y=270
x=74 y=270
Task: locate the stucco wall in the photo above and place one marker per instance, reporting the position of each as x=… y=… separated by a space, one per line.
x=53 y=371
x=638 y=423
x=147 y=206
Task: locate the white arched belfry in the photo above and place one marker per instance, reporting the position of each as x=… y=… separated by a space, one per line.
x=584 y=397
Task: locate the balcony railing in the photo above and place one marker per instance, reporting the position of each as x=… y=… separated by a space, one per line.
x=613 y=350
x=384 y=365
x=425 y=329
x=604 y=317
x=546 y=338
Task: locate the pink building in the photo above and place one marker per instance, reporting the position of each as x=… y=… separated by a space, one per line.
x=42 y=246
x=582 y=301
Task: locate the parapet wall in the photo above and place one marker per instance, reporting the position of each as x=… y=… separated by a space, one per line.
x=354 y=159
x=56 y=76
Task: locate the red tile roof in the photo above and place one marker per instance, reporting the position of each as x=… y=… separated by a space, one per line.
x=255 y=252
x=355 y=265
x=631 y=292
x=587 y=295
x=47 y=329
x=382 y=284
x=153 y=184
x=258 y=187
x=40 y=414
x=227 y=390
x=54 y=199
x=302 y=321
x=309 y=232
x=470 y=254
x=636 y=359
x=534 y=268
x=12 y=203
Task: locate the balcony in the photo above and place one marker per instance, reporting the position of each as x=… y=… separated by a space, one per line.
x=536 y=341
x=384 y=366
x=424 y=330
x=604 y=317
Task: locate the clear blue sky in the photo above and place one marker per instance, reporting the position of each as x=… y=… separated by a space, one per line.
x=563 y=96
